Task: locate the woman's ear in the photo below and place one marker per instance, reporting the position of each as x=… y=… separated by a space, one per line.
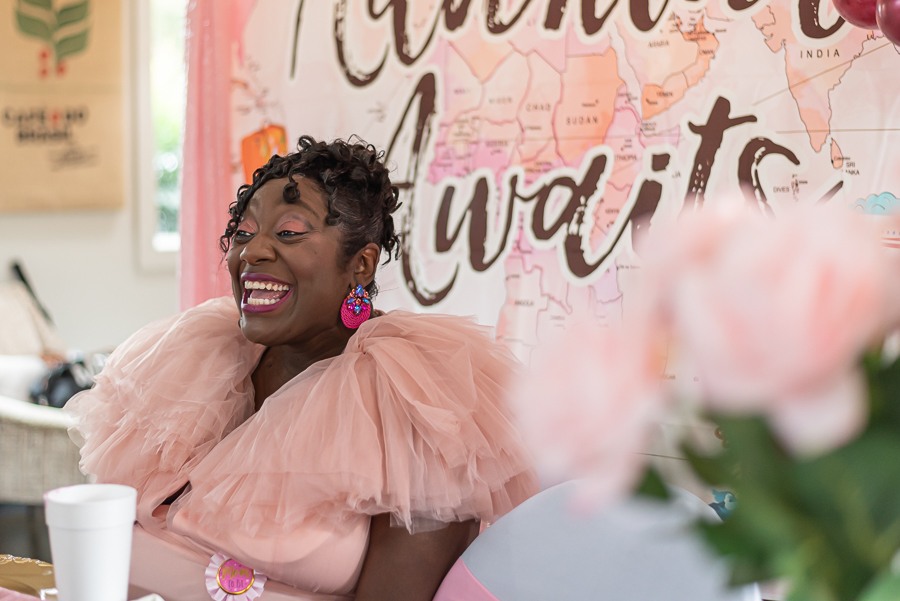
x=365 y=263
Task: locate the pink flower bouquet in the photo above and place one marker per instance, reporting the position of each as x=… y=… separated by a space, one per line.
x=781 y=323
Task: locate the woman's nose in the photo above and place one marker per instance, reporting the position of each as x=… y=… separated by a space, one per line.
x=258 y=250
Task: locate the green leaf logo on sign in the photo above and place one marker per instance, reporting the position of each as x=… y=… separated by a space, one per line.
x=64 y=30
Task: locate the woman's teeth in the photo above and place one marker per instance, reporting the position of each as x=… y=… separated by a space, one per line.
x=253 y=285
x=264 y=293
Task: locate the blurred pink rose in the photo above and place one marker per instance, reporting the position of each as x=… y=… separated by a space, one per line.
x=774 y=314
x=588 y=407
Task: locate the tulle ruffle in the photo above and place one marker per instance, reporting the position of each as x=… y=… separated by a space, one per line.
x=165 y=398
x=410 y=420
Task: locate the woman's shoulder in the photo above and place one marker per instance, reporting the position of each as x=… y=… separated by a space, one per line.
x=216 y=318
x=166 y=394
x=437 y=320
x=197 y=338
x=433 y=333
x=449 y=358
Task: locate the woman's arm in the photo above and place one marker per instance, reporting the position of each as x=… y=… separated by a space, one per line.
x=400 y=566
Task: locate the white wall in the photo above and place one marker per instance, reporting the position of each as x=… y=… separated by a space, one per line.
x=84 y=268
x=91 y=269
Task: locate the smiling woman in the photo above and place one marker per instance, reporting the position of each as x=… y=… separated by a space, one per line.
x=283 y=243
x=340 y=453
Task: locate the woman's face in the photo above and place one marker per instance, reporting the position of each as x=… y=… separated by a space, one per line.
x=287 y=272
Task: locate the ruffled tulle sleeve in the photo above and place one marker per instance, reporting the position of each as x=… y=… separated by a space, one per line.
x=165 y=398
x=410 y=420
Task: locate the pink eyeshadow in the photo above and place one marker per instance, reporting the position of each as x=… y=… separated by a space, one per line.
x=294 y=223
x=248 y=226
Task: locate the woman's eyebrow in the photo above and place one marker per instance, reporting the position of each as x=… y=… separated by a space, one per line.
x=301 y=200
x=308 y=207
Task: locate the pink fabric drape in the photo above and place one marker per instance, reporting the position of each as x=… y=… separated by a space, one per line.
x=207 y=187
x=8 y=595
x=461 y=585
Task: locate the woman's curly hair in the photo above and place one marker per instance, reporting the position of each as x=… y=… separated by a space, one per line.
x=361 y=198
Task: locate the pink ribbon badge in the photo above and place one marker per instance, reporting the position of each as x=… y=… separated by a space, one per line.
x=229 y=580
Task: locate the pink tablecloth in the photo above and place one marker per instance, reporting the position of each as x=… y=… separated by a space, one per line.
x=7 y=595
x=461 y=585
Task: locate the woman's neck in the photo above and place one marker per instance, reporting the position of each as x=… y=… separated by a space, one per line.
x=280 y=364
x=296 y=357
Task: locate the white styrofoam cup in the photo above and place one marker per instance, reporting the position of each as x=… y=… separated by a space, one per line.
x=90 y=539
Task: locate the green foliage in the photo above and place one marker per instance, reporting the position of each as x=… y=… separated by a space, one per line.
x=59 y=28
x=653 y=486
x=71 y=14
x=885 y=588
x=48 y=4
x=71 y=45
x=829 y=524
x=34 y=27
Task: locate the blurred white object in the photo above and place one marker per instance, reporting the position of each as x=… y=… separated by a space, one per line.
x=36 y=453
x=637 y=549
x=90 y=539
x=891 y=349
x=48 y=594
x=23 y=328
x=18 y=373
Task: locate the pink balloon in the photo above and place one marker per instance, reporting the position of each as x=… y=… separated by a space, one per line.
x=887 y=14
x=857 y=12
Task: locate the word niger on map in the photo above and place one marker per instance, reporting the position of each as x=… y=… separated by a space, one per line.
x=452 y=15
x=584 y=187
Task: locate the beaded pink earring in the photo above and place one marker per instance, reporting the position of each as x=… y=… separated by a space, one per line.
x=356 y=308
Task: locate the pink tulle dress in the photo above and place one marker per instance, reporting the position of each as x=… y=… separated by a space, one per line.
x=409 y=420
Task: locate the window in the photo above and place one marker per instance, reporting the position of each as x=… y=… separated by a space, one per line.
x=168 y=86
x=160 y=89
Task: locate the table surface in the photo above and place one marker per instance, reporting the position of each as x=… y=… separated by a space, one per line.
x=24 y=576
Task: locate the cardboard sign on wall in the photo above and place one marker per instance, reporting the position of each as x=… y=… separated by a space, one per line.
x=61 y=85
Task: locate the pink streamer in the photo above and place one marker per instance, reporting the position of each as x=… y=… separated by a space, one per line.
x=241 y=14
x=207 y=185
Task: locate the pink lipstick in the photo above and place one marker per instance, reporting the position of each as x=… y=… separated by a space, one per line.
x=263 y=293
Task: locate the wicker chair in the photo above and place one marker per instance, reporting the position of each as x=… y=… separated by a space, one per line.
x=36 y=454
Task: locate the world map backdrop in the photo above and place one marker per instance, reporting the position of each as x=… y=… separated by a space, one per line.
x=537 y=142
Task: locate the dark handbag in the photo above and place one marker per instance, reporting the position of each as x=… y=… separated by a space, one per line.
x=65 y=381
